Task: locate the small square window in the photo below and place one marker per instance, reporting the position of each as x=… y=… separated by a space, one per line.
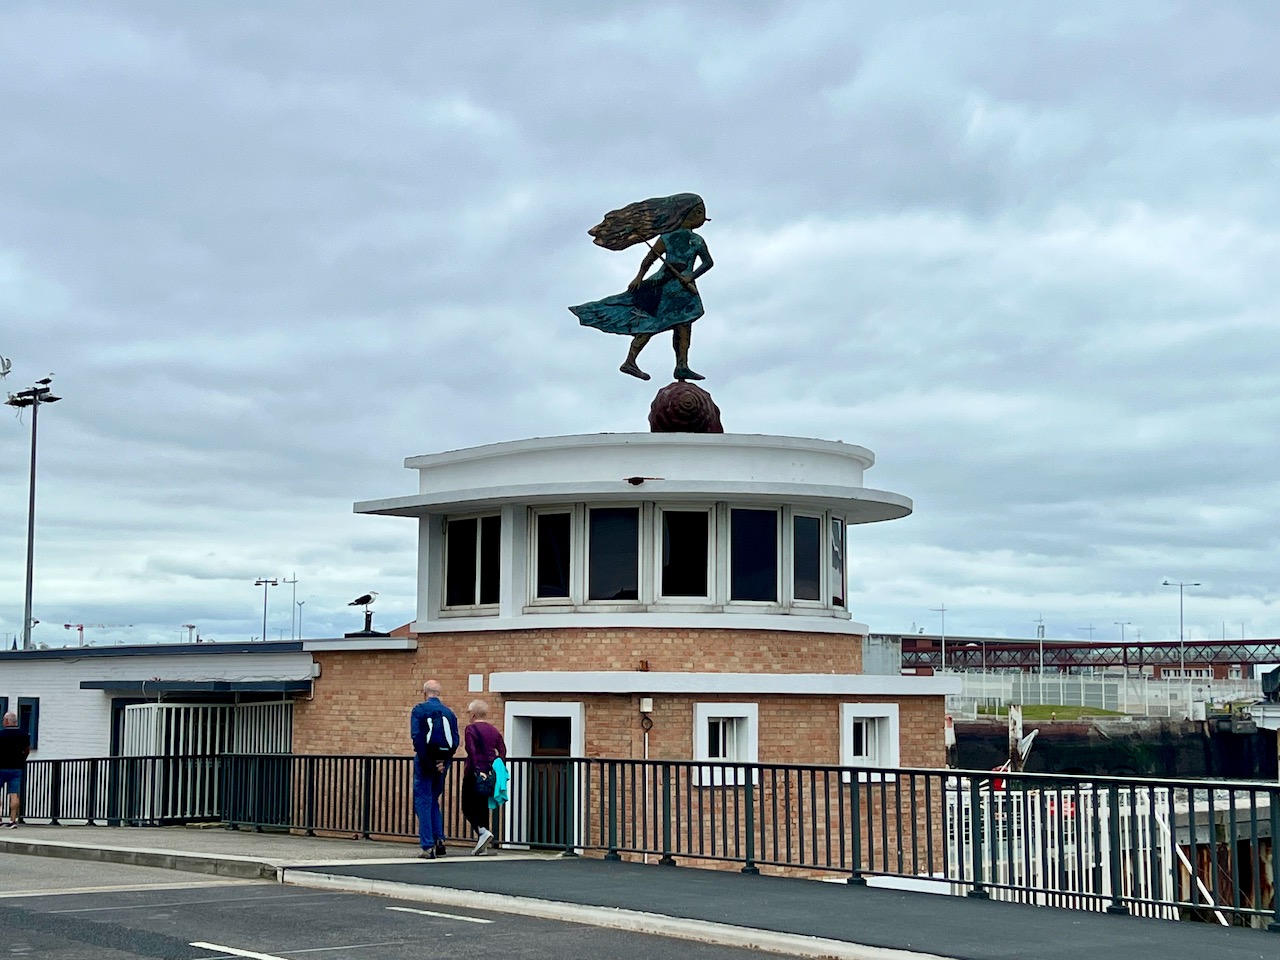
x=869 y=738
x=725 y=733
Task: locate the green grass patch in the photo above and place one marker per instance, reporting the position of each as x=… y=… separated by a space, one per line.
x=1050 y=712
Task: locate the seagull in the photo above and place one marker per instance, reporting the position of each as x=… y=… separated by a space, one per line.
x=46 y=381
x=5 y=366
x=363 y=601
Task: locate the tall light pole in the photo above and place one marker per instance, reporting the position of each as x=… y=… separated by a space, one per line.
x=294 y=584
x=1039 y=622
x=1182 y=636
x=942 y=609
x=299 y=604
x=1122 y=624
x=264 y=583
x=40 y=393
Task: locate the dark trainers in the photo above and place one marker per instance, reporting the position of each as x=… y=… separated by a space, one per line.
x=440 y=850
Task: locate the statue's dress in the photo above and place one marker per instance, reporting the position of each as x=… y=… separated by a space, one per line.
x=661 y=302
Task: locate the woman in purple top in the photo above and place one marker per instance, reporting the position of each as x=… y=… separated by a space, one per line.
x=484 y=743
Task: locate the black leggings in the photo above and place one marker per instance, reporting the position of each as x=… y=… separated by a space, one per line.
x=475 y=807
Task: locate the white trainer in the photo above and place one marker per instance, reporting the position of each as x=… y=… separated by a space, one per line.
x=486 y=838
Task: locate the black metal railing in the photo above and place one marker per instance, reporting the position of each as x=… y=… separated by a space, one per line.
x=1163 y=848
x=138 y=791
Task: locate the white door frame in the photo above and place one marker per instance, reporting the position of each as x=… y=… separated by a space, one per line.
x=518 y=732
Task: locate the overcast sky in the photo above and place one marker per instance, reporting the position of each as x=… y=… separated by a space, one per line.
x=1027 y=254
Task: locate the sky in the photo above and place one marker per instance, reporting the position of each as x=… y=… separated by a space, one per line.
x=1024 y=253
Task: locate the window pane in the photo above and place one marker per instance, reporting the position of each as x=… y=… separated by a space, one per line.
x=614 y=572
x=753 y=555
x=553 y=555
x=837 y=562
x=858 y=738
x=684 y=553
x=807 y=553
x=460 y=563
x=490 y=558
x=715 y=739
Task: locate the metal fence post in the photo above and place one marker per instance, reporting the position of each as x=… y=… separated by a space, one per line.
x=366 y=797
x=612 y=804
x=856 y=879
x=92 y=800
x=1113 y=839
x=749 y=794
x=978 y=824
x=667 y=859
x=1274 y=925
x=568 y=808
x=55 y=792
x=309 y=773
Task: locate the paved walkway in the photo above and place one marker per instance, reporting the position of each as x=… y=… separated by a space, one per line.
x=797 y=917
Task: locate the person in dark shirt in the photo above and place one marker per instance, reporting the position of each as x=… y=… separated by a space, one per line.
x=433 y=728
x=14 y=747
x=484 y=743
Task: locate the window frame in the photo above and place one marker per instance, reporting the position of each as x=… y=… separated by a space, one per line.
x=747 y=716
x=824 y=520
x=884 y=721
x=470 y=609
x=780 y=556
x=661 y=509
x=644 y=546
x=574 y=510
x=33 y=726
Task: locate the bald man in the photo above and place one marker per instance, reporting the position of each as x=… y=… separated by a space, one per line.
x=14 y=747
x=434 y=730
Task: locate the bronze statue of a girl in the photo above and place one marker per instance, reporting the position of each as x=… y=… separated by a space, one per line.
x=669 y=299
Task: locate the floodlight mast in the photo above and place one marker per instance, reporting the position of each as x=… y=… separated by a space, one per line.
x=41 y=393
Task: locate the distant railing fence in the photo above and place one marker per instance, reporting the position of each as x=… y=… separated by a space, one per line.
x=1160 y=848
x=1138 y=696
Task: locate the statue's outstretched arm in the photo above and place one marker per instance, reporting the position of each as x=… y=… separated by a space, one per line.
x=657 y=250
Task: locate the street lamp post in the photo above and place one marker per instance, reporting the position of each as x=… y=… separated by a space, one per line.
x=264 y=583
x=1182 y=636
x=299 y=605
x=942 y=609
x=294 y=582
x=41 y=393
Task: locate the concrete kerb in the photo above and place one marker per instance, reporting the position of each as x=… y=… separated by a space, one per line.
x=237 y=868
x=613 y=918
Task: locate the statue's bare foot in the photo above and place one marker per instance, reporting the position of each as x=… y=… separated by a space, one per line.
x=684 y=373
x=632 y=370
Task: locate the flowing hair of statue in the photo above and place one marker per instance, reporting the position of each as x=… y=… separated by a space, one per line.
x=644 y=220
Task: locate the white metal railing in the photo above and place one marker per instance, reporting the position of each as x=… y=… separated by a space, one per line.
x=1140 y=696
x=202 y=732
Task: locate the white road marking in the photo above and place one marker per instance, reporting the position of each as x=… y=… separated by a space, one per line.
x=436 y=913
x=126 y=888
x=233 y=952
x=355 y=946
x=184 y=903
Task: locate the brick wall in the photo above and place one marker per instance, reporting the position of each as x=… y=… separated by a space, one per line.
x=362 y=700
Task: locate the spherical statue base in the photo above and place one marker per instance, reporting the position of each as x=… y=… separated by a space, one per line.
x=683 y=407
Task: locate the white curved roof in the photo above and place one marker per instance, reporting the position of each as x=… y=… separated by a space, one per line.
x=742 y=468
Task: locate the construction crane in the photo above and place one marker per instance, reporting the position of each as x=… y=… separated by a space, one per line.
x=79 y=627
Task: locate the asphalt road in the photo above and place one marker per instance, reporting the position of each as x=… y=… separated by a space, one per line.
x=111 y=912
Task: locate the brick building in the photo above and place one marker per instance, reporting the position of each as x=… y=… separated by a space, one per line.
x=669 y=596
